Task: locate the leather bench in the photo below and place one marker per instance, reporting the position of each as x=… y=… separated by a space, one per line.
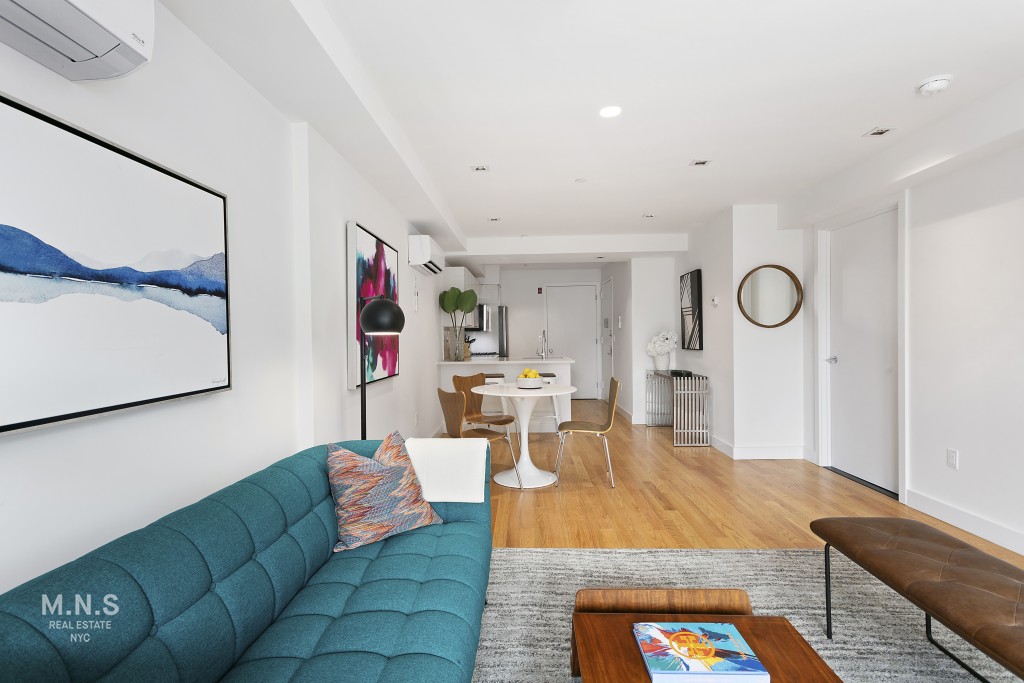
x=977 y=596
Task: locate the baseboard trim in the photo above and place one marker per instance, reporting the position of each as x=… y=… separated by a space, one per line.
x=626 y=415
x=768 y=453
x=980 y=526
x=721 y=445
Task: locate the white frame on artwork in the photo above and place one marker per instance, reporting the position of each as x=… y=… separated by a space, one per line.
x=353 y=233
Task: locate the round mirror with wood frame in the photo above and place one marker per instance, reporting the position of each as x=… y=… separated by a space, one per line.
x=770 y=296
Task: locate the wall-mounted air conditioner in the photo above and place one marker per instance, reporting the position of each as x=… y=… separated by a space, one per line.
x=81 y=39
x=425 y=254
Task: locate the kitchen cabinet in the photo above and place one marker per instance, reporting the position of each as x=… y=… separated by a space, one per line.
x=460 y=277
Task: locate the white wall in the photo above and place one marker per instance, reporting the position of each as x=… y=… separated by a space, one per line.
x=655 y=307
x=336 y=194
x=768 y=384
x=966 y=323
x=67 y=488
x=711 y=250
x=526 y=306
x=622 y=370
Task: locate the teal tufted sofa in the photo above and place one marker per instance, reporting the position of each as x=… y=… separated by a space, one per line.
x=243 y=586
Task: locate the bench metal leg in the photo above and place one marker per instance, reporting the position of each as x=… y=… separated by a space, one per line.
x=928 y=633
x=828 y=593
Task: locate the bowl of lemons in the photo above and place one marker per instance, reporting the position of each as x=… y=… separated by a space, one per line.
x=529 y=379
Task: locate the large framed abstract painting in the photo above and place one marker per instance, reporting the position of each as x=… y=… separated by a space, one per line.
x=372 y=271
x=690 y=311
x=113 y=277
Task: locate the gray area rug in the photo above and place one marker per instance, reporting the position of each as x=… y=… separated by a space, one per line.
x=878 y=635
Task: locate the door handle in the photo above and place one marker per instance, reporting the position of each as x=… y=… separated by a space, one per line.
x=832 y=360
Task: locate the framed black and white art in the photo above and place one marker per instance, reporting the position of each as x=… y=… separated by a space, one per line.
x=690 y=311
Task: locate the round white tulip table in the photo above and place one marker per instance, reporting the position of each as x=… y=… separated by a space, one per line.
x=523 y=401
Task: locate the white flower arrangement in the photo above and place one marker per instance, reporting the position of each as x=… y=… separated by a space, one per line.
x=661 y=343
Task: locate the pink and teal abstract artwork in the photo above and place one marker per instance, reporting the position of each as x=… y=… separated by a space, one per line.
x=374 y=265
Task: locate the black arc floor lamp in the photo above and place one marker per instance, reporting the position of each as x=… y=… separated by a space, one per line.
x=379 y=316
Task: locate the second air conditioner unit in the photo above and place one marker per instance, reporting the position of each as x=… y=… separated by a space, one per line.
x=425 y=254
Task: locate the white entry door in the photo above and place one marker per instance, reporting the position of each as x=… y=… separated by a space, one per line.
x=607 y=346
x=862 y=358
x=571 y=312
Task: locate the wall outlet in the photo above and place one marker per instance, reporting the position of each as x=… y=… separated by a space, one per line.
x=952 y=458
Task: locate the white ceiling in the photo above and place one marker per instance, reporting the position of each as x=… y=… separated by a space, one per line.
x=776 y=94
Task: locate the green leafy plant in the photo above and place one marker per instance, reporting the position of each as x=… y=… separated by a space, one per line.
x=454 y=301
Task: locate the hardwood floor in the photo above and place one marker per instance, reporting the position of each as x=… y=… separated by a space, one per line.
x=667 y=497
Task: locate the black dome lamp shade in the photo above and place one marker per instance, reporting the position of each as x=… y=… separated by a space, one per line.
x=379 y=316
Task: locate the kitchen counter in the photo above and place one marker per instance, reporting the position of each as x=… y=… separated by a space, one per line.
x=493 y=360
x=543 y=419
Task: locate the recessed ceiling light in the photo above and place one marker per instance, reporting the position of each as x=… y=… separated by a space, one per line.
x=700 y=162
x=600 y=257
x=494 y=219
x=480 y=168
x=934 y=85
x=580 y=180
x=610 y=112
x=877 y=132
x=649 y=215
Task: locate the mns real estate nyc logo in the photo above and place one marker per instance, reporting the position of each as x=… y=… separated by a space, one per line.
x=81 y=607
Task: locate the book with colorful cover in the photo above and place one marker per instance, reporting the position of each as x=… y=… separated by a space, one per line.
x=706 y=652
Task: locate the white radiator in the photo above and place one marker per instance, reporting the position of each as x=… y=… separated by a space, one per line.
x=690 y=406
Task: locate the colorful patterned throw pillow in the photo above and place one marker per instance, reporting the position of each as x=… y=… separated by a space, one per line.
x=376 y=497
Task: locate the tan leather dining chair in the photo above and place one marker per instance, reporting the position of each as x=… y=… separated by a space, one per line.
x=453 y=405
x=598 y=430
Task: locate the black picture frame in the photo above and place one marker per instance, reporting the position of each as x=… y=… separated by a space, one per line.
x=114 y=276
x=690 y=311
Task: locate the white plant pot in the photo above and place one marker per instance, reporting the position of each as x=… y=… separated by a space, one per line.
x=661 y=361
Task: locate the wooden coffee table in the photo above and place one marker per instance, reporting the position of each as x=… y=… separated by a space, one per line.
x=608 y=652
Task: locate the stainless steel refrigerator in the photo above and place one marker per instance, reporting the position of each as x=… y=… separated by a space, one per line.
x=502 y=331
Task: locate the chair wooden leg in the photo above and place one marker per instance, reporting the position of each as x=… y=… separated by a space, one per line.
x=608 y=457
x=558 y=460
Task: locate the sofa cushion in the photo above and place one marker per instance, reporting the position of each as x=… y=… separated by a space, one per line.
x=376 y=497
x=377 y=610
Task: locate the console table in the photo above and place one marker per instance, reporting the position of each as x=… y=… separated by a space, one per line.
x=682 y=402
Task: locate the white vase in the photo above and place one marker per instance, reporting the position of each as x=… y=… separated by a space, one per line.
x=661 y=361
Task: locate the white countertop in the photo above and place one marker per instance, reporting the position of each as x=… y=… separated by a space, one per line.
x=495 y=360
x=513 y=391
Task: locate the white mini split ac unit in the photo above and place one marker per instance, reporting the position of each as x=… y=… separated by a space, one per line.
x=425 y=254
x=81 y=39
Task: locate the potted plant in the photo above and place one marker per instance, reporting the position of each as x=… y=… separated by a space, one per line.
x=454 y=301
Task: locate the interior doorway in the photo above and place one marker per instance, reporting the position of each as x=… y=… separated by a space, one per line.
x=607 y=345
x=570 y=312
x=861 y=365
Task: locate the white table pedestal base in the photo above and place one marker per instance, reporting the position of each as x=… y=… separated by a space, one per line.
x=532 y=476
x=535 y=479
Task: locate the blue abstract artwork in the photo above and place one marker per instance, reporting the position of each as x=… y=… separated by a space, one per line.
x=113 y=277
